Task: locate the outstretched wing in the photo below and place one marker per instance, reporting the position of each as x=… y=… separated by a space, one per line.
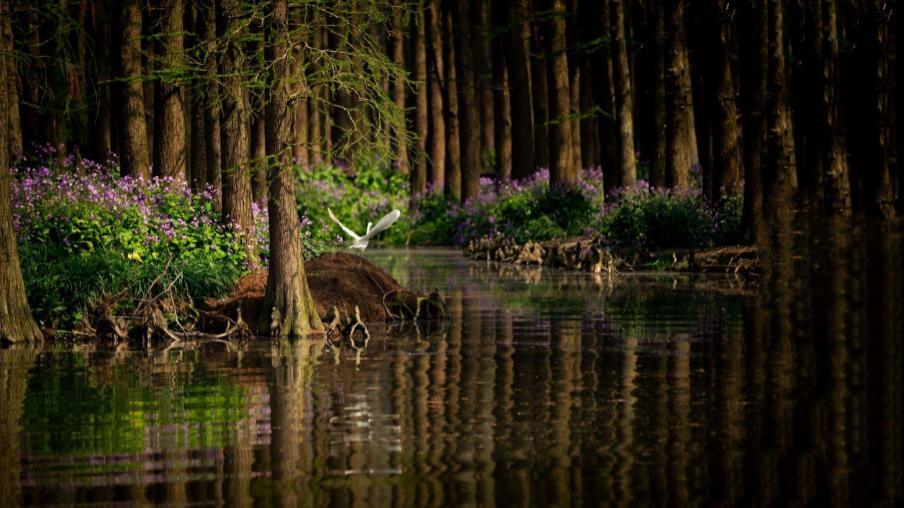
x=349 y=232
x=384 y=223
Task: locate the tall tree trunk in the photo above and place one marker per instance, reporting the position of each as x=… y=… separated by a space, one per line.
x=502 y=103
x=660 y=105
x=836 y=183
x=422 y=105
x=300 y=152
x=678 y=162
x=212 y=133
x=135 y=155
x=539 y=68
x=590 y=156
x=16 y=322
x=169 y=143
x=437 y=176
x=517 y=39
x=470 y=109
x=754 y=82
x=198 y=142
x=727 y=133
x=782 y=168
x=484 y=81
x=399 y=25
x=288 y=308
x=315 y=126
x=259 y=156
x=236 y=150
x=606 y=93
x=14 y=123
x=627 y=163
x=453 y=130
x=101 y=122
x=575 y=112
x=561 y=169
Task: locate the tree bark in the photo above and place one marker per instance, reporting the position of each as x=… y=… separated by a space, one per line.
x=606 y=93
x=502 y=131
x=678 y=162
x=484 y=81
x=16 y=322
x=398 y=91
x=561 y=169
x=836 y=182
x=470 y=109
x=169 y=143
x=517 y=63
x=101 y=122
x=727 y=133
x=135 y=155
x=660 y=105
x=212 y=134
x=540 y=95
x=288 y=308
x=453 y=130
x=422 y=105
x=236 y=150
x=782 y=168
x=627 y=162
x=754 y=82
x=437 y=176
x=14 y=123
x=259 y=156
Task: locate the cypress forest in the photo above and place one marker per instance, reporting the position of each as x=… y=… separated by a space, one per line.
x=467 y=216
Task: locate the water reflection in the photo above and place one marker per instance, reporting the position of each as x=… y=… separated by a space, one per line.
x=545 y=387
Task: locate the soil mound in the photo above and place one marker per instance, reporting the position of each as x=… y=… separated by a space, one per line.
x=338 y=281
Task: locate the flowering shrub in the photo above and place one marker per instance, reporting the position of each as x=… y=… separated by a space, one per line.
x=83 y=238
x=647 y=219
x=521 y=210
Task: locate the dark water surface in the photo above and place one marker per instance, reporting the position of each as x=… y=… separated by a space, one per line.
x=544 y=388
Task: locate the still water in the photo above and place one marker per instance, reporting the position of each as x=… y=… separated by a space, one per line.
x=544 y=388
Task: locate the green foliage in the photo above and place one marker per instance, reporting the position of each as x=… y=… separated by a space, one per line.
x=357 y=194
x=646 y=220
x=93 y=238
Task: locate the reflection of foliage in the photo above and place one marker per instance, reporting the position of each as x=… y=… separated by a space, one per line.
x=653 y=314
x=72 y=409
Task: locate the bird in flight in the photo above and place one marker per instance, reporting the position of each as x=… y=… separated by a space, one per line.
x=360 y=242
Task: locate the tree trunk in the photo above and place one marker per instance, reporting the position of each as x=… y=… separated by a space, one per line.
x=561 y=168
x=236 y=151
x=288 y=308
x=606 y=92
x=169 y=143
x=575 y=112
x=727 y=134
x=755 y=50
x=300 y=146
x=453 y=131
x=539 y=69
x=398 y=91
x=16 y=322
x=101 y=141
x=484 y=82
x=259 y=156
x=517 y=63
x=212 y=133
x=198 y=142
x=315 y=119
x=470 y=171
x=14 y=124
x=627 y=163
x=437 y=115
x=590 y=156
x=782 y=167
x=678 y=161
x=502 y=115
x=135 y=155
x=422 y=106
x=836 y=183
x=660 y=105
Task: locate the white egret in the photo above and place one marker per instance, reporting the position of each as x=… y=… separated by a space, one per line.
x=360 y=242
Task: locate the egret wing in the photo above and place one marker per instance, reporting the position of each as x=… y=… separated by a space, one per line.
x=349 y=232
x=384 y=223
